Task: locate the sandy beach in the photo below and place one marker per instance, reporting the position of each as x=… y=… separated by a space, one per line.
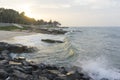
x=9 y=34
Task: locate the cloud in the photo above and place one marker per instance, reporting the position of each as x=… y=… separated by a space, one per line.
x=70 y=12
x=97 y=4
x=54 y=6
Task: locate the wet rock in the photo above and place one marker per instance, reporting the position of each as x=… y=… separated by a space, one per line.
x=50 y=76
x=41 y=66
x=63 y=70
x=104 y=79
x=42 y=78
x=15 y=48
x=73 y=75
x=34 y=66
x=55 y=72
x=4 y=62
x=14 y=63
x=3 y=74
x=51 y=41
x=5 y=54
x=20 y=69
x=19 y=59
x=36 y=74
x=1 y=57
x=51 y=67
x=25 y=63
x=69 y=73
x=19 y=74
x=27 y=69
x=59 y=78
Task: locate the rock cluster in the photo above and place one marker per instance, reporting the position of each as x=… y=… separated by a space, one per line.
x=21 y=69
x=51 y=31
x=15 y=48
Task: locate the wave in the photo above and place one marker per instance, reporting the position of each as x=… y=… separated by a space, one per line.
x=67 y=53
x=62 y=53
x=99 y=68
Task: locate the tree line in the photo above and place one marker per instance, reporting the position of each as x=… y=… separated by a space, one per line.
x=13 y=16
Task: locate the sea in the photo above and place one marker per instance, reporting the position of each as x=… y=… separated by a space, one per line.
x=96 y=50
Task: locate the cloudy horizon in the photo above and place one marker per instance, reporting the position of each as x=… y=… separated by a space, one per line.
x=70 y=12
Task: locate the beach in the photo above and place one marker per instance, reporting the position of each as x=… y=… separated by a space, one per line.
x=4 y=35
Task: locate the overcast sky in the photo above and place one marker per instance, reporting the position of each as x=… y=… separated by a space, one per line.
x=70 y=12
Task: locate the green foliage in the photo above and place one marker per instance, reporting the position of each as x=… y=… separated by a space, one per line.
x=12 y=16
x=9 y=28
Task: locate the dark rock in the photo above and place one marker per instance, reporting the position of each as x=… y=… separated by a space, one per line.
x=15 y=48
x=59 y=78
x=25 y=63
x=19 y=74
x=50 y=76
x=24 y=69
x=62 y=70
x=36 y=74
x=51 y=41
x=8 y=69
x=85 y=77
x=41 y=66
x=3 y=74
x=5 y=54
x=27 y=69
x=4 y=62
x=20 y=69
x=1 y=57
x=51 y=31
x=51 y=67
x=73 y=75
x=19 y=59
x=104 y=79
x=42 y=78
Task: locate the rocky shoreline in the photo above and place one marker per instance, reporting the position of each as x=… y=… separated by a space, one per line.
x=21 y=69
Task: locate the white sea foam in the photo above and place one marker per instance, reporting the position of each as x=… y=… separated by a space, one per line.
x=34 y=40
x=100 y=68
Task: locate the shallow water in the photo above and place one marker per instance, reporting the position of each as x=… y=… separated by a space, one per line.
x=96 y=50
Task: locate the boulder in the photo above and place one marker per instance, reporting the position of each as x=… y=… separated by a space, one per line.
x=15 y=48
x=3 y=74
x=1 y=57
x=19 y=74
x=51 y=41
x=4 y=62
x=5 y=54
x=14 y=63
x=19 y=59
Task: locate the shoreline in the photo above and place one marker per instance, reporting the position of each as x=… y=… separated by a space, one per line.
x=4 y=35
x=19 y=68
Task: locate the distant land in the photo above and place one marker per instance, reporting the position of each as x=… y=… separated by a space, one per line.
x=13 y=16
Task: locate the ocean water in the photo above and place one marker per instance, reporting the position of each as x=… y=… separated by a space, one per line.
x=95 y=49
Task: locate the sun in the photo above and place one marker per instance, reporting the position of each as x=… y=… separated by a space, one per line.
x=27 y=9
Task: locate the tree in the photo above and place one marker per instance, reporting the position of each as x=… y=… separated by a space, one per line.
x=12 y=16
x=56 y=23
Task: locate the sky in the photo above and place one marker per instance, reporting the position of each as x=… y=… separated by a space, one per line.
x=70 y=12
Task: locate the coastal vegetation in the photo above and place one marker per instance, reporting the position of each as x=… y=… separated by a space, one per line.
x=13 y=16
x=9 y=28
